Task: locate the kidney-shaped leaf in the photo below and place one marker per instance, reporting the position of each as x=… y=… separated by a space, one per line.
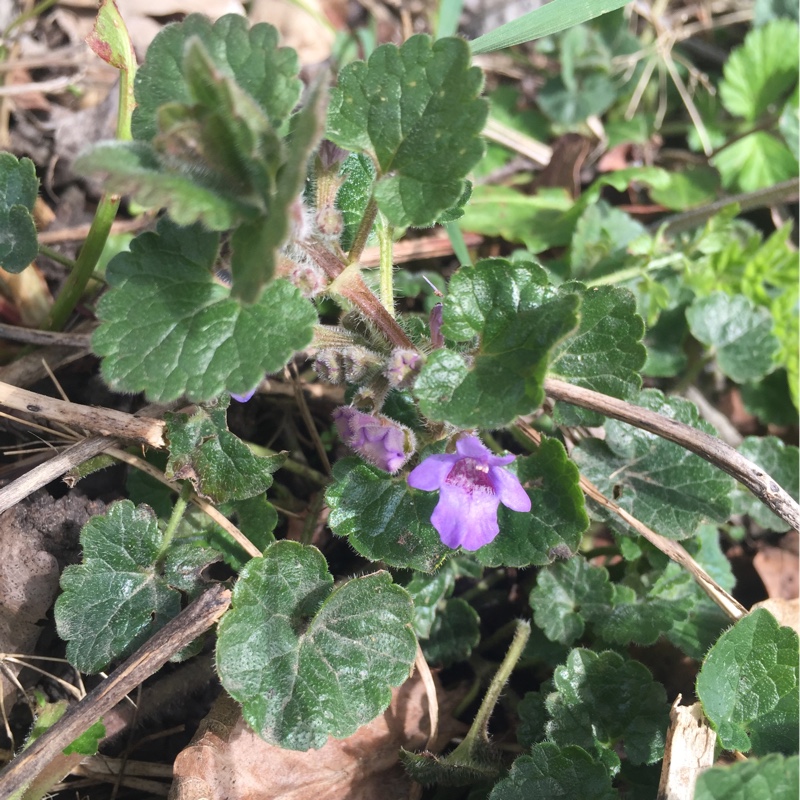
x=307 y=660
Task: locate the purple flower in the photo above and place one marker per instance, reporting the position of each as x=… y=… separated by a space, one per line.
x=243 y=398
x=471 y=484
x=377 y=439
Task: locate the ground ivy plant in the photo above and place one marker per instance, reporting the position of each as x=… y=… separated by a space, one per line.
x=270 y=191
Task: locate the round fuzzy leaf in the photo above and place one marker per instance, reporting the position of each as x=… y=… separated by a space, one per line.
x=603 y=698
x=384 y=519
x=306 y=660
x=605 y=354
x=518 y=319
x=740 y=333
x=774 y=777
x=780 y=461
x=415 y=109
x=566 y=595
x=115 y=599
x=551 y=772
x=748 y=686
x=557 y=520
x=168 y=328
x=762 y=70
x=660 y=483
x=250 y=55
x=456 y=630
x=18 y=189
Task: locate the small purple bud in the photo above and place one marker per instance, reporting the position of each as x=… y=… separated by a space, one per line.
x=381 y=441
x=330 y=155
x=329 y=222
x=243 y=398
x=302 y=273
x=350 y=364
x=402 y=367
x=435 y=323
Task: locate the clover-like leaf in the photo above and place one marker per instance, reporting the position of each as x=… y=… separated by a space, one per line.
x=566 y=595
x=116 y=598
x=762 y=71
x=755 y=161
x=18 y=189
x=169 y=328
x=740 y=333
x=551 y=772
x=250 y=55
x=518 y=318
x=605 y=354
x=749 y=689
x=382 y=517
x=557 y=520
x=774 y=777
x=456 y=630
x=603 y=699
x=660 y=483
x=307 y=660
x=415 y=110
x=220 y=466
x=780 y=461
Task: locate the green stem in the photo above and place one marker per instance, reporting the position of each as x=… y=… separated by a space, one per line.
x=459 y=245
x=364 y=230
x=54 y=255
x=478 y=732
x=385 y=241
x=291 y=465
x=178 y=511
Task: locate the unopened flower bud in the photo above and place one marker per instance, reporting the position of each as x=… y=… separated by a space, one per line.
x=329 y=221
x=381 y=441
x=299 y=219
x=435 y=323
x=402 y=367
x=301 y=272
x=351 y=364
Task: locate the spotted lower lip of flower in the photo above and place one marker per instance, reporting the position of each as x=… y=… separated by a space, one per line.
x=379 y=440
x=472 y=483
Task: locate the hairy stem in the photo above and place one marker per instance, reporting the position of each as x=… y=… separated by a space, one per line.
x=385 y=234
x=364 y=229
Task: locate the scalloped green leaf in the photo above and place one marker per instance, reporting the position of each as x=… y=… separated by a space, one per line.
x=739 y=331
x=604 y=700
x=781 y=462
x=220 y=466
x=566 y=595
x=455 y=632
x=748 y=686
x=168 y=328
x=660 y=483
x=427 y=591
x=250 y=55
x=116 y=599
x=756 y=161
x=308 y=660
x=358 y=175
x=761 y=71
x=518 y=319
x=551 y=772
x=557 y=520
x=773 y=777
x=605 y=354
x=383 y=518
x=19 y=187
x=415 y=111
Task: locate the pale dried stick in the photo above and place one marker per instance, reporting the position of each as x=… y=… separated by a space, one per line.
x=732 y=607
x=198 y=617
x=103 y=421
x=709 y=447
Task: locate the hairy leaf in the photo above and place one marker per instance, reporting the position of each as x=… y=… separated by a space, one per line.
x=116 y=598
x=415 y=110
x=774 y=777
x=168 y=328
x=453 y=635
x=18 y=189
x=748 y=686
x=307 y=660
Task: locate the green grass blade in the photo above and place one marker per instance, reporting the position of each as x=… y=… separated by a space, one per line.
x=556 y=16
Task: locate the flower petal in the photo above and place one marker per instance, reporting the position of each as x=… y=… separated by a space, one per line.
x=465 y=519
x=472 y=447
x=509 y=490
x=431 y=473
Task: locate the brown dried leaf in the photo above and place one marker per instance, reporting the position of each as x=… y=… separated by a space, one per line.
x=778 y=567
x=227 y=761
